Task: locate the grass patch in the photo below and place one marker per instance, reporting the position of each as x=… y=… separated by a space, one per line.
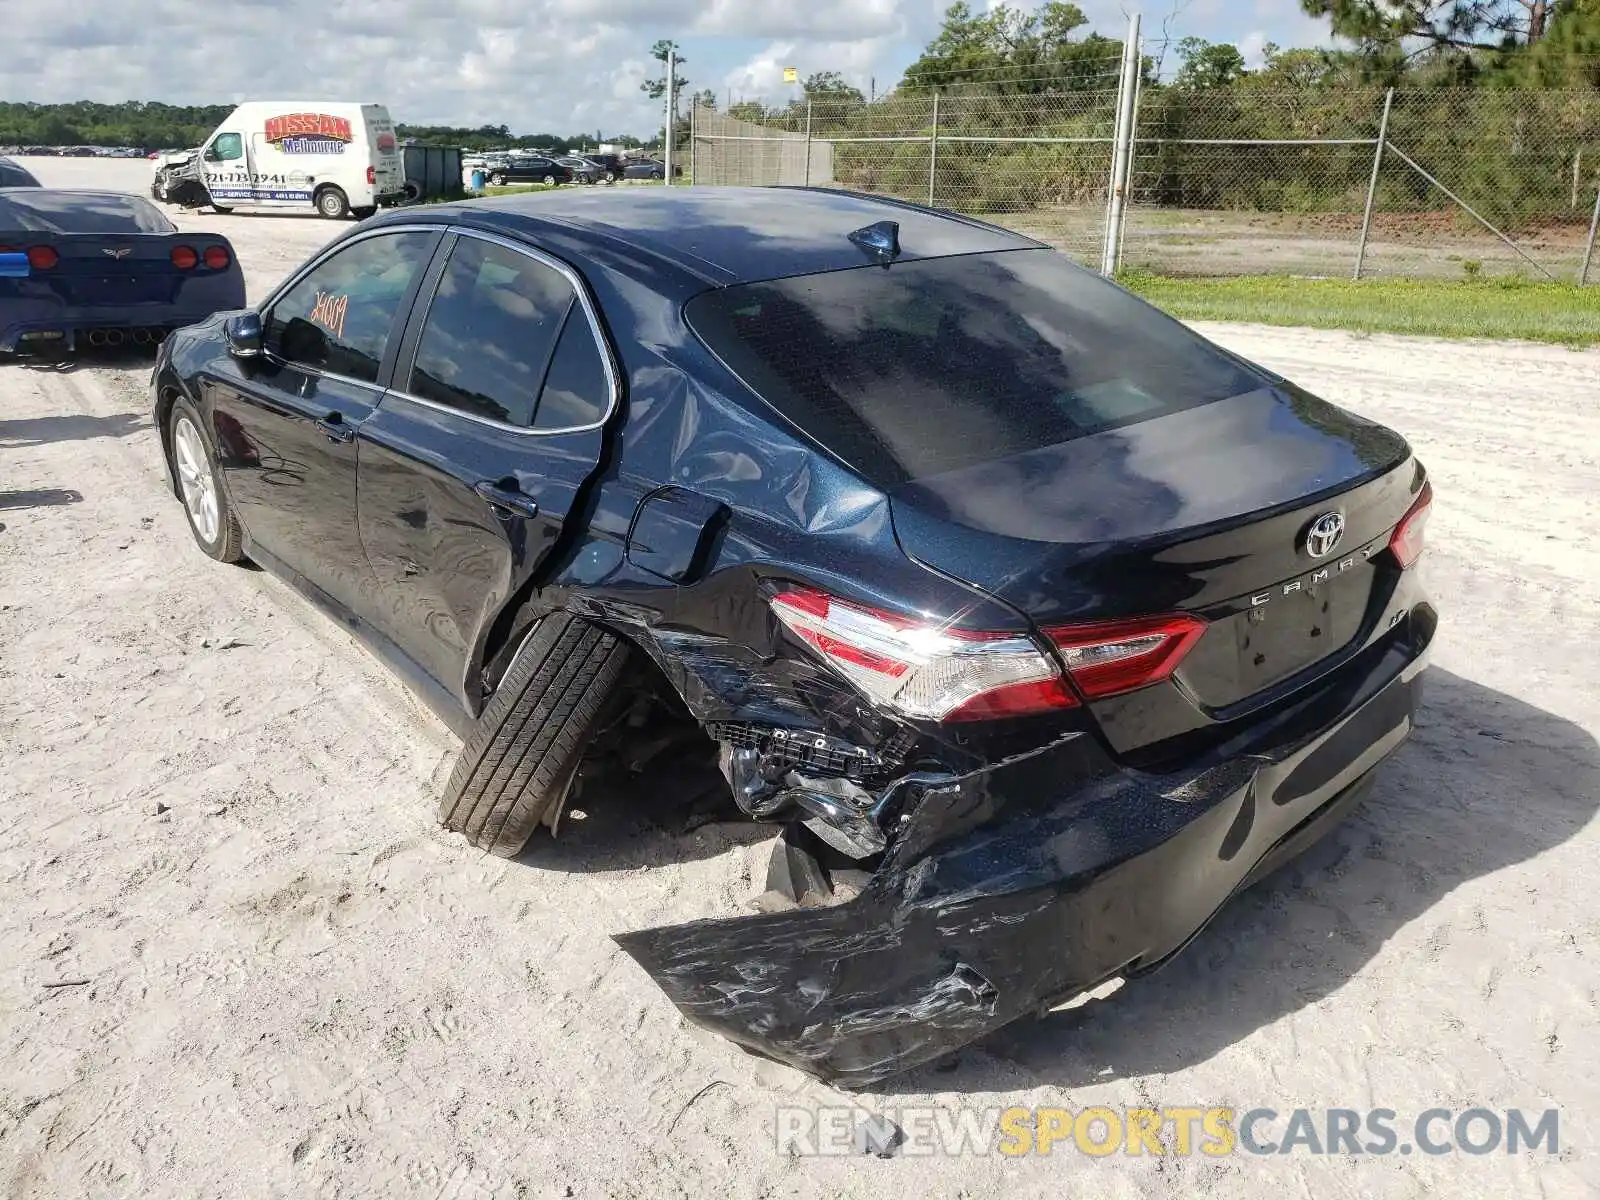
x=1479 y=308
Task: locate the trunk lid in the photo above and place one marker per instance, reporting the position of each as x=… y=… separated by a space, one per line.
x=1206 y=511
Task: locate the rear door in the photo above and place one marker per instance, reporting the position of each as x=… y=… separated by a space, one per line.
x=285 y=425
x=480 y=451
x=383 y=148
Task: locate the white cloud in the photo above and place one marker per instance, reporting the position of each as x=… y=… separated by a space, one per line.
x=1253 y=46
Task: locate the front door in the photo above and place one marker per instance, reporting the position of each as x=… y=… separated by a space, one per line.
x=226 y=169
x=481 y=448
x=285 y=424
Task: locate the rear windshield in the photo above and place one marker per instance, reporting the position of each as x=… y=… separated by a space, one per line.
x=931 y=366
x=48 y=211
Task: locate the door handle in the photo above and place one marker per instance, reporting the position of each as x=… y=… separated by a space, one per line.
x=507 y=499
x=336 y=428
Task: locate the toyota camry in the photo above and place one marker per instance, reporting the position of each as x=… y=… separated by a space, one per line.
x=1038 y=624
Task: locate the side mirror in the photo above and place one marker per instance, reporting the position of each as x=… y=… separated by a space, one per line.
x=244 y=335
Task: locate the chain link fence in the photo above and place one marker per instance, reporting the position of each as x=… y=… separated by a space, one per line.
x=1340 y=182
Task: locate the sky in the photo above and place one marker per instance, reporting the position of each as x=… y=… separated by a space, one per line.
x=559 y=66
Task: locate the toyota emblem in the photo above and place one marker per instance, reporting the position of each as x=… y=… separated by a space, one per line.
x=1324 y=534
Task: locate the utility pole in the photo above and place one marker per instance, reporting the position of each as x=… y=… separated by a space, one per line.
x=672 y=104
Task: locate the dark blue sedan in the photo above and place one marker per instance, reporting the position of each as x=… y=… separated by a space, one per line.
x=103 y=269
x=1039 y=624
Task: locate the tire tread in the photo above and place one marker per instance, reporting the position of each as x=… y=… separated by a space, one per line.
x=514 y=770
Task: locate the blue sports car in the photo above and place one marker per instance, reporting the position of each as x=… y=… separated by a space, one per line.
x=14 y=175
x=103 y=269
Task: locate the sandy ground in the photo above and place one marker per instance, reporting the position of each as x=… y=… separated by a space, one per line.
x=293 y=985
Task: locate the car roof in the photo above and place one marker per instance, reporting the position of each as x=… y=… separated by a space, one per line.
x=727 y=235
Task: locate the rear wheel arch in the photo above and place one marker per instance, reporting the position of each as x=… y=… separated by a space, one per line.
x=168 y=393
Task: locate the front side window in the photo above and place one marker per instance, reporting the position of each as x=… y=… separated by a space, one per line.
x=340 y=317
x=490 y=332
x=226 y=147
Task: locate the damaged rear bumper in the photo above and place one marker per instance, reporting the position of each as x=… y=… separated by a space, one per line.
x=1020 y=886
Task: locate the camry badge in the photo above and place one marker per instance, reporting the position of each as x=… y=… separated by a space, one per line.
x=1324 y=534
x=117 y=252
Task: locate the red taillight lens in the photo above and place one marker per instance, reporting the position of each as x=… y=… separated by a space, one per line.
x=184 y=258
x=42 y=258
x=923 y=669
x=1107 y=658
x=1407 y=539
x=217 y=258
x=372 y=174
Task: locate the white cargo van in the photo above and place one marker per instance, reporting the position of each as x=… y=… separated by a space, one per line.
x=337 y=158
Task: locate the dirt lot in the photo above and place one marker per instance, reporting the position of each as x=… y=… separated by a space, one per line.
x=288 y=982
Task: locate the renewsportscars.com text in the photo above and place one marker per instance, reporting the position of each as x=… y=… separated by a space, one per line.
x=1207 y=1131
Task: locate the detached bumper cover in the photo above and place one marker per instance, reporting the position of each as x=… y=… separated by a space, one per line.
x=1021 y=885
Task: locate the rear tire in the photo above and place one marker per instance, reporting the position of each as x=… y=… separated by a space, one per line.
x=517 y=767
x=497 y=180
x=332 y=203
x=365 y=211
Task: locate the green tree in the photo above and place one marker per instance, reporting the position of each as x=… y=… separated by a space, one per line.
x=830 y=86
x=1013 y=50
x=657 y=88
x=1380 y=27
x=1208 y=65
x=1568 y=56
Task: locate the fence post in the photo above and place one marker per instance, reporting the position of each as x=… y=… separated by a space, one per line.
x=1372 y=184
x=1133 y=155
x=808 y=143
x=1588 y=254
x=1119 y=152
x=933 y=150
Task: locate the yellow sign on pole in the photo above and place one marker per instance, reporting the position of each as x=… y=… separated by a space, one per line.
x=791 y=75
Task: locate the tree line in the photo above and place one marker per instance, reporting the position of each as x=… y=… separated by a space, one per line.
x=1501 y=98
x=151 y=125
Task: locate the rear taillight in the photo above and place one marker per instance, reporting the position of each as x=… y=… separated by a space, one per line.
x=42 y=258
x=372 y=174
x=1107 y=658
x=184 y=258
x=922 y=669
x=1407 y=539
x=217 y=258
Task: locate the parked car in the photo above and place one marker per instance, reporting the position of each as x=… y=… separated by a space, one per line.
x=1040 y=623
x=531 y=169
x=649 y=168
x=583 y=171
x=103 y=269
x=611 y=165
x=14 y=175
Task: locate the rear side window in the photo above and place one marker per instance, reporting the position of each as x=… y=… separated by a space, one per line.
x=45 y=210
x=340 y=316
x=13 y=176
x=576 y=391
x=932 y=366
x=490 y=332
